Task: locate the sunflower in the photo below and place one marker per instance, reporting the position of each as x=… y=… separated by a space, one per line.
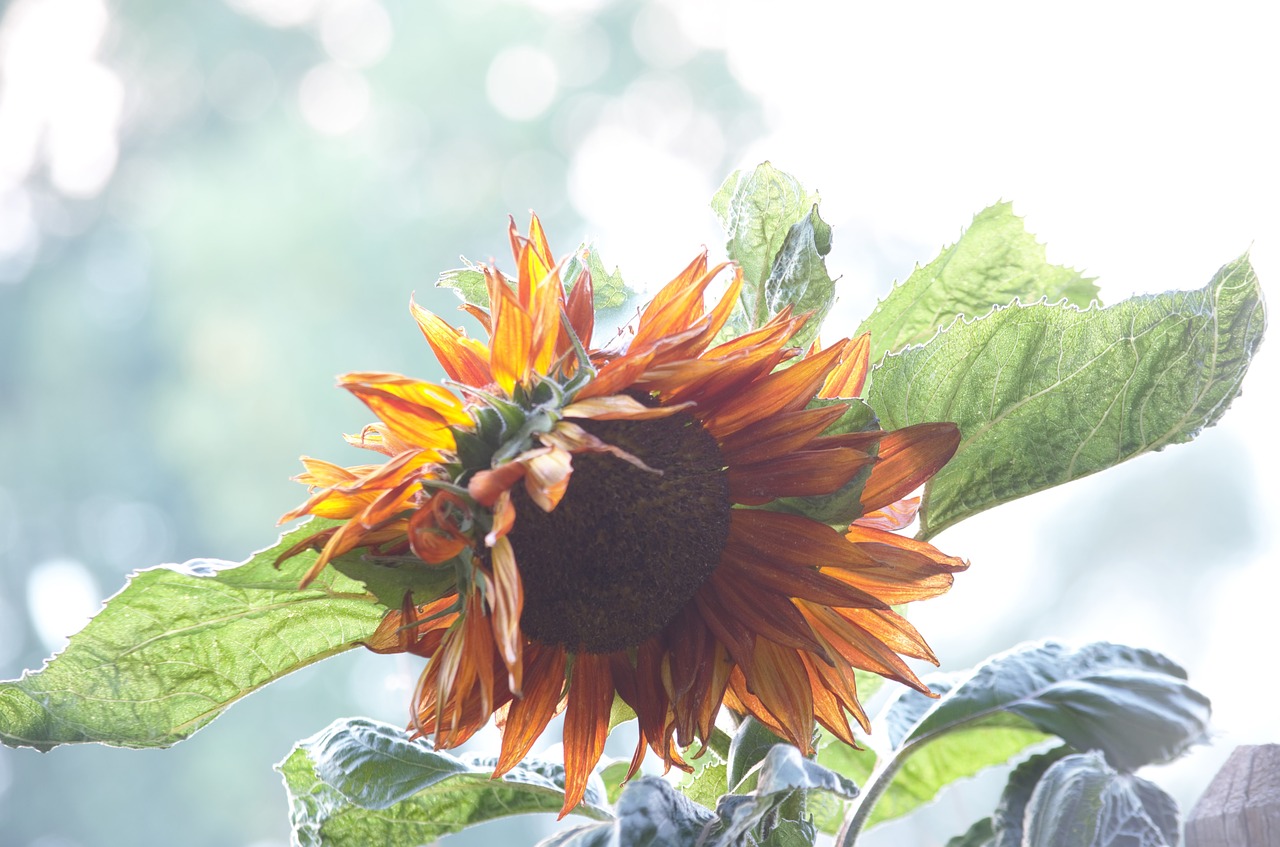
x=623 y=525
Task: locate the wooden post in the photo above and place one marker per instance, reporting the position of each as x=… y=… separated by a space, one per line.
x=1241 y=806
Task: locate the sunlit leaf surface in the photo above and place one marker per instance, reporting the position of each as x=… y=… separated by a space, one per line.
x=360 y=782
x=180 y=644
x=993 y=262
x=1045 y=394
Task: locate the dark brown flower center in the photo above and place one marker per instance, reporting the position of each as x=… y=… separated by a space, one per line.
x=626 y=548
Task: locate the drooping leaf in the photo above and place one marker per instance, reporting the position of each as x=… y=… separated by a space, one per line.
x=754 y=818
x=799 y=275
x=361 y=782
x=1082 y=800
x=1046 y=394
x=650 y=813
x=468 y=283
x=1134 y=705
x=978 y=835
x=993 y=262
x=757 y=209
x=181 y=643
x=1010 y=815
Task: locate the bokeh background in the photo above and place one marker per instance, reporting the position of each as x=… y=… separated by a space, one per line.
x=208 y=210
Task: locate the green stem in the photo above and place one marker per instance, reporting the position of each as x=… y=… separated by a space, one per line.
x=857 y=818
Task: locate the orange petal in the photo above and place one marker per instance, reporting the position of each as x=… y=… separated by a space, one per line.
x=619 y=407
x=858 y=647
x=806 y=583
x=529 y=715
x=580 y=310
x=463 y=359
x=511 y=349
x=848 y=377
x=898 y=569
x=619 y=374
x=506 y=599
x=907 y=458
x=586 y=723
x=416 y=412
x=486 y=486
x=676 y=306
x=783 y=391
x=548 y=476
x=504 y=517
x=779 y=435
x=795 y=541
x=801 y=474
x=778 y=678
x=764 y=612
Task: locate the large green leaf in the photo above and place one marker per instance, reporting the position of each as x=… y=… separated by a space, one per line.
x=995 y=261
x=978 y=835
x=179 y=644
x=926 y=771
x=1081 y=800
x=758 y=209
x=1134 y=705
x=611 y=292
x=1045 y=394
x=361 y=782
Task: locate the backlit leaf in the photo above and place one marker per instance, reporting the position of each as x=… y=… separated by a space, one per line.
x=757 y=209
x=993 y=262
x=181 y=643
x=799 y=276
x=1045 y=394
x=360 y=782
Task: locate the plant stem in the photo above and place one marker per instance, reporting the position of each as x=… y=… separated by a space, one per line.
x=875 y=787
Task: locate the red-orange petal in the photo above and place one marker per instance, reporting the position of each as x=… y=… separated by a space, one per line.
x=463 y=359
x=506 y=600
x=804 y=473
x=847 y=378
x=907 y=458
x=511 y=348
x=586 y=723
x=529 y=715
x=783 y=391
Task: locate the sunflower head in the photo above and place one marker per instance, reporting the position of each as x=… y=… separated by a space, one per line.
x=631 y=522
